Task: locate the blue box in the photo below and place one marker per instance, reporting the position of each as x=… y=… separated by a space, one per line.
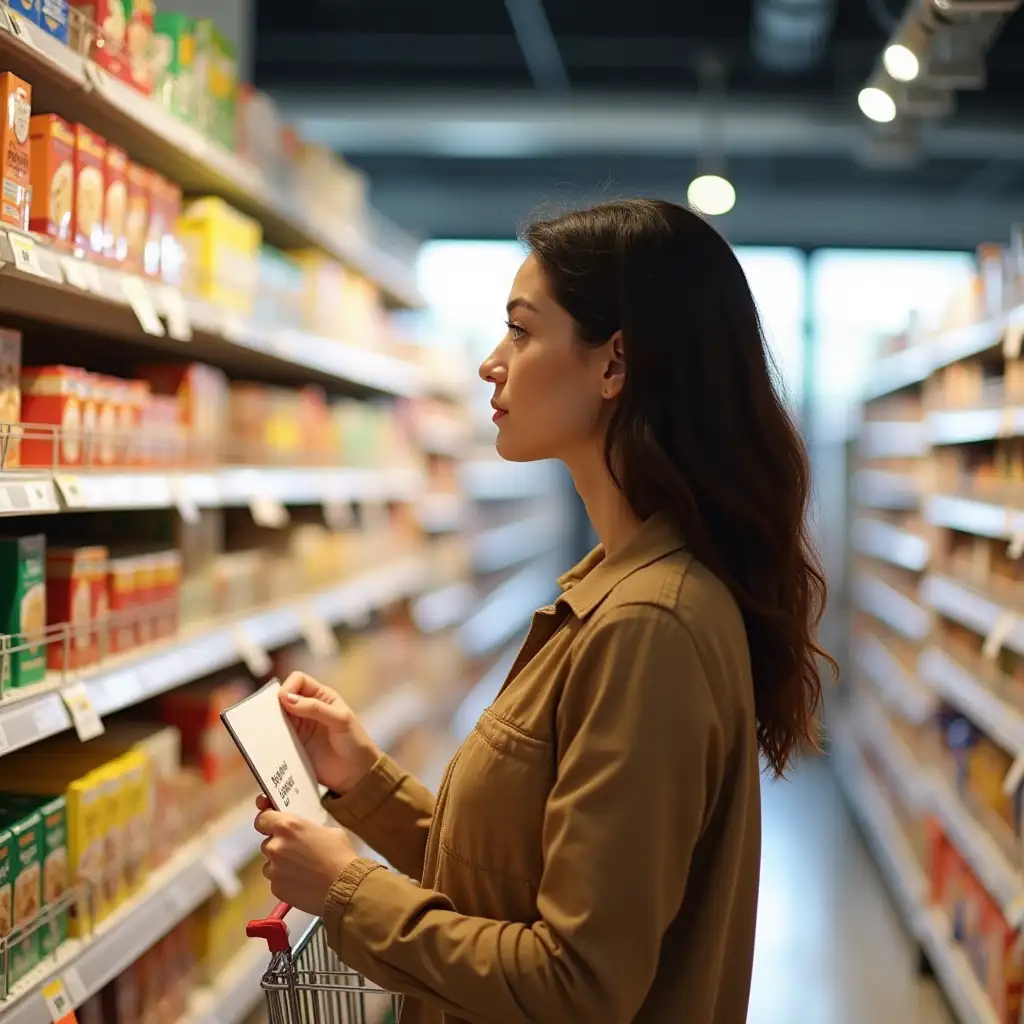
x=27 y=9
x=53 y=17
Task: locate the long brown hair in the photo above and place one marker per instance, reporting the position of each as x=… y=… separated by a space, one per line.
x=701 y=431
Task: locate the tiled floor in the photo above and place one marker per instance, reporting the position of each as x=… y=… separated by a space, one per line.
x=830 y=947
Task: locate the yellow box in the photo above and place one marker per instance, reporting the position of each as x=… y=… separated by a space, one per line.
x=134 y=816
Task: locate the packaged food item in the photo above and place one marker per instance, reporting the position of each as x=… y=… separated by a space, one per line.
x=156 y=226
x=115 y=204
x=220 y=248
x=216 y=82
x=174 y=60
x=122 y=998
x=23 y=609
x=54 y=18
x=259 y=131
x=139 y=45
x=52 y=148
x=74 y=594
x=325 y=279
x=145 y=564
x=106 y=24
x=121 y=594
x=87 y=221
x=168 y=576
x=25 y=828
x=139 y=197
x=10 y=398
x=91 y=1011
x=15 y=154
x=132 y=772
x=171 y=257
x=202 y=398
x=106 y=393
x=27 y=9
x=7 y=862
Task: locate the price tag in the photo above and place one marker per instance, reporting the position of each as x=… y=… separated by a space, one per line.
x=26 y=256
x=268 y=512
x=1016 y=546
x=1001 y=629
x=84 y=716
x=256 y=660
x=376 y=515
x=141 y=301
x=1007 y=425
x=223 y=875
x=75 y=273
x=179 y=326
x=4 y=742
x=40 y=496
x=316 y=631
x=338 y=515
x=71 y=490
x=1012 y=339
x=58 y=1002
x=51 y=717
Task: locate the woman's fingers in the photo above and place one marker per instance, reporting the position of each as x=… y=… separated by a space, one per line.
x=330 y=715
x=301 y=685
x=262 y=803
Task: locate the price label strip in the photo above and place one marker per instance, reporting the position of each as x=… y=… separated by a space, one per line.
x=71 y=490
x=141 y=301
x=1013 y=337
x=179 y=325
x=84 y=716
x=318 y=634
x=75 y=273
x=256 y=660
x=223 y=875
x=58 y=1002
x=26 y=256
x=997 y=635
x=268 y=512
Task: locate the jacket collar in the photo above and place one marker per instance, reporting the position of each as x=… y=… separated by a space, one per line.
x=588 y=583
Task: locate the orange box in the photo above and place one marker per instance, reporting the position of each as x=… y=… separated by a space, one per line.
x=136 y=400
x=53 y=177
x=91 y=400
x=87 y=228
x=115 y=204
x=146 y=597
x=52 y=397
x=106 y=450
x=155 y=226
x=161 y=435
x=72 y=597
x=121 y=598
x=201 y=394
x=168 y=591
x=139 y=199
x=15 y=155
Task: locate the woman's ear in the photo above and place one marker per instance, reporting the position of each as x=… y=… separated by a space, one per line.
x=615 y=367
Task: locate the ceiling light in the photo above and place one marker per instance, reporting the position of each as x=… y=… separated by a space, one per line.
x=901 y=62
x=877 y=104
x=711 y=194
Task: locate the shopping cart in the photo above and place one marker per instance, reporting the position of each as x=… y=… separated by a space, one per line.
x=308 y=984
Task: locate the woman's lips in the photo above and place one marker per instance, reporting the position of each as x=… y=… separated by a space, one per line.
x=499 y=414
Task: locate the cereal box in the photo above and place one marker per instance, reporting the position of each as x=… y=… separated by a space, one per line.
x=15 y=154
x=53 y=16
x=71 y=597
x=108 y=26
x=139 y=198
x=174 y=60
x=216 y=82
x=27 y=9
x=7 y=862
x=123 y=604
x=10 y=397
x=23 y=609
x=27 y=885
x=51 y=409
x=53 y=177
x=115 y=204
x=87 y=221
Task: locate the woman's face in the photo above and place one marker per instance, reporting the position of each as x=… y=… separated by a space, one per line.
x=550 y=391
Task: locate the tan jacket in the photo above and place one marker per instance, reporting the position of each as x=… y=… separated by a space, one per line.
x=593 y=852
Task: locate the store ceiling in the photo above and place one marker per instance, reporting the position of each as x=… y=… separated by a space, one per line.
x=467 y=127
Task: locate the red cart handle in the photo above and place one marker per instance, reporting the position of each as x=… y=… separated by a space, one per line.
x=272 y=929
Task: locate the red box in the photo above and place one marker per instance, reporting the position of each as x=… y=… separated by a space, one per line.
x=201 y=396
x=140 y=194
x=122 y=600
x=52 y=146
x=115 y=204
x=52 y=398
x=109 y=21
x=74 y=594
x=87 y=227
x=140 y=45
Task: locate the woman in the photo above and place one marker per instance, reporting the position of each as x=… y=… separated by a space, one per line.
x=593 y=852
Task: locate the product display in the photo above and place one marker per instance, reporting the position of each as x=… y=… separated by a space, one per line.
x=15 y=150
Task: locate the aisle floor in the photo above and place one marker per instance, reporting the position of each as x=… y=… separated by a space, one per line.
x=830 y=947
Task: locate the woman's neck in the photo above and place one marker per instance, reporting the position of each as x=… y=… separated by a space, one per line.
x=613 y=520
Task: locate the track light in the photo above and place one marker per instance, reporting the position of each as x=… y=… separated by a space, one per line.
x=711 y=194
x=877 y=104
x=901 y=62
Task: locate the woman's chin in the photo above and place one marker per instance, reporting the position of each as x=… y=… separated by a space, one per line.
x=512 y=452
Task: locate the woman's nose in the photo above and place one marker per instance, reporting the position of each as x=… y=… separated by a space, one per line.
x=492 y=370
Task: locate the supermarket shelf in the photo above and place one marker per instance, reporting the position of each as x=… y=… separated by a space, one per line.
x=964 y=426
x=897 y=371
x=443 y=608
x=969 y=607
x=967 y=515
x=953 y=971
x=27 y=719
x=442 y=513
x=972 y=340
x=508 y=609
x=70 y=85
x=887 y=604
x=170 y=895
x=900 y=866
x=502 y=547
x=890 y=544
x=982 y=853
x=877 y=488
x=909 y=778
x=491 y=479
x=236 y=992
x=962 y=688
x=32 y=492
x=898 y=685
x=68 y=292
x=892 y=439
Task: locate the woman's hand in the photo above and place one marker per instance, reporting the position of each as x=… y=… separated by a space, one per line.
x=339 y=747
x=303 y=860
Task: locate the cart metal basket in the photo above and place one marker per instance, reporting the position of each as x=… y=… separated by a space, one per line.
x=306 y=983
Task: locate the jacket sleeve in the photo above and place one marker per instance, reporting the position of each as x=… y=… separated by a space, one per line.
x=641 y=760
x=391 y=812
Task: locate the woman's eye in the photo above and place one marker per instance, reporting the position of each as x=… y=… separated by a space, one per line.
x=515 y=330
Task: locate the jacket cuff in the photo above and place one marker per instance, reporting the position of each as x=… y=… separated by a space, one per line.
x=340 y=895
x=366 y=797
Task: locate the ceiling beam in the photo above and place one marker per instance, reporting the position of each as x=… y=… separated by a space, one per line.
x=537 y=42
x=510 y=124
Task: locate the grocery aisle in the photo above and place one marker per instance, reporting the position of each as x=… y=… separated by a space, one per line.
x=830 y=946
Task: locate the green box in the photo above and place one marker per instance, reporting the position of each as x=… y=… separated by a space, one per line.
x=174 y=59
x=25 y=829
x=7 y=862
x=54 y=851
x=23 y=609
x=216 y=82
